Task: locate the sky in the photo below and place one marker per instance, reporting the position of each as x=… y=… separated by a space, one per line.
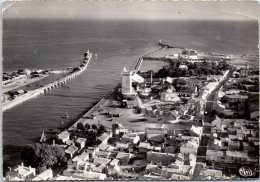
x=132 y=9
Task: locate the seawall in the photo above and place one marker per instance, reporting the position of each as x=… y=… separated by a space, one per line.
x=95 y=107
x=31 y=94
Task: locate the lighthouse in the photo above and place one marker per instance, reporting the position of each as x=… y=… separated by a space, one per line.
x=127 y=82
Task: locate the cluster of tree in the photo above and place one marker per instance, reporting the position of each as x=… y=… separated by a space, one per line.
x=90 y=132
x=85 y=128
x=180 y=84
x=238 y=105
x=43 y=156
x=193 y=69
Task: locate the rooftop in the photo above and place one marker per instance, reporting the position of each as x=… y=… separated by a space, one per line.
x=103 y=137
x=121 y=155
x=103 y=146
x=63 y=135
x=144 y=145
x=121 y=145
x=114 y=162
x=155 y=130
x=80 y=140
x=83 y=155
x=71 y=149
x=236 y=154
x=215 y=153
x=100 y=160
x=237 y=96
x=44 y=175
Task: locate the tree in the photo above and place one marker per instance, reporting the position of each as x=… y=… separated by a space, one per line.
x=81 y=134
x=224 y=99
x=178 y=63
x=87 y=126
x=185 y=72
x=94 y=127
x=42 y=156
x=80 y=126
x=102 y=129
x=205 y=62
x=213 y=64
x=191 y=72
x=196 y=65
x=73 y=134
x=60 y=154
x=225 y=65
x=30 y=155
x=86 y=133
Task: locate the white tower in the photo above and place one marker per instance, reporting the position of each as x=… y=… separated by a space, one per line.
x=127 y=82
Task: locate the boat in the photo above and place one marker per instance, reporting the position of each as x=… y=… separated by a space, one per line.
x=66 y=115
x=43 y=137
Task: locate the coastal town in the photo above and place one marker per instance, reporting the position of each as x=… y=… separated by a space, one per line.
x=196 y=118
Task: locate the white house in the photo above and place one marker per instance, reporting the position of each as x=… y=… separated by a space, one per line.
x=64 y=136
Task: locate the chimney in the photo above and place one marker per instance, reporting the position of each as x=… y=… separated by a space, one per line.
x=22 y=165
x=30 y=168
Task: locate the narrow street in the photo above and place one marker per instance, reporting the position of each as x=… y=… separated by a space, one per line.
x=208 y=118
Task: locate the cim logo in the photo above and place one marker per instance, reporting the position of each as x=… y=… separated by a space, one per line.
x=246 y=172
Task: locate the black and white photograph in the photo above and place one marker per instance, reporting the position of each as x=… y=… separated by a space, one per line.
x=130 y=90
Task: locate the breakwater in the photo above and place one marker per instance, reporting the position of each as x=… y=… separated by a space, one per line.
x=140 y=60
x=31 y=94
